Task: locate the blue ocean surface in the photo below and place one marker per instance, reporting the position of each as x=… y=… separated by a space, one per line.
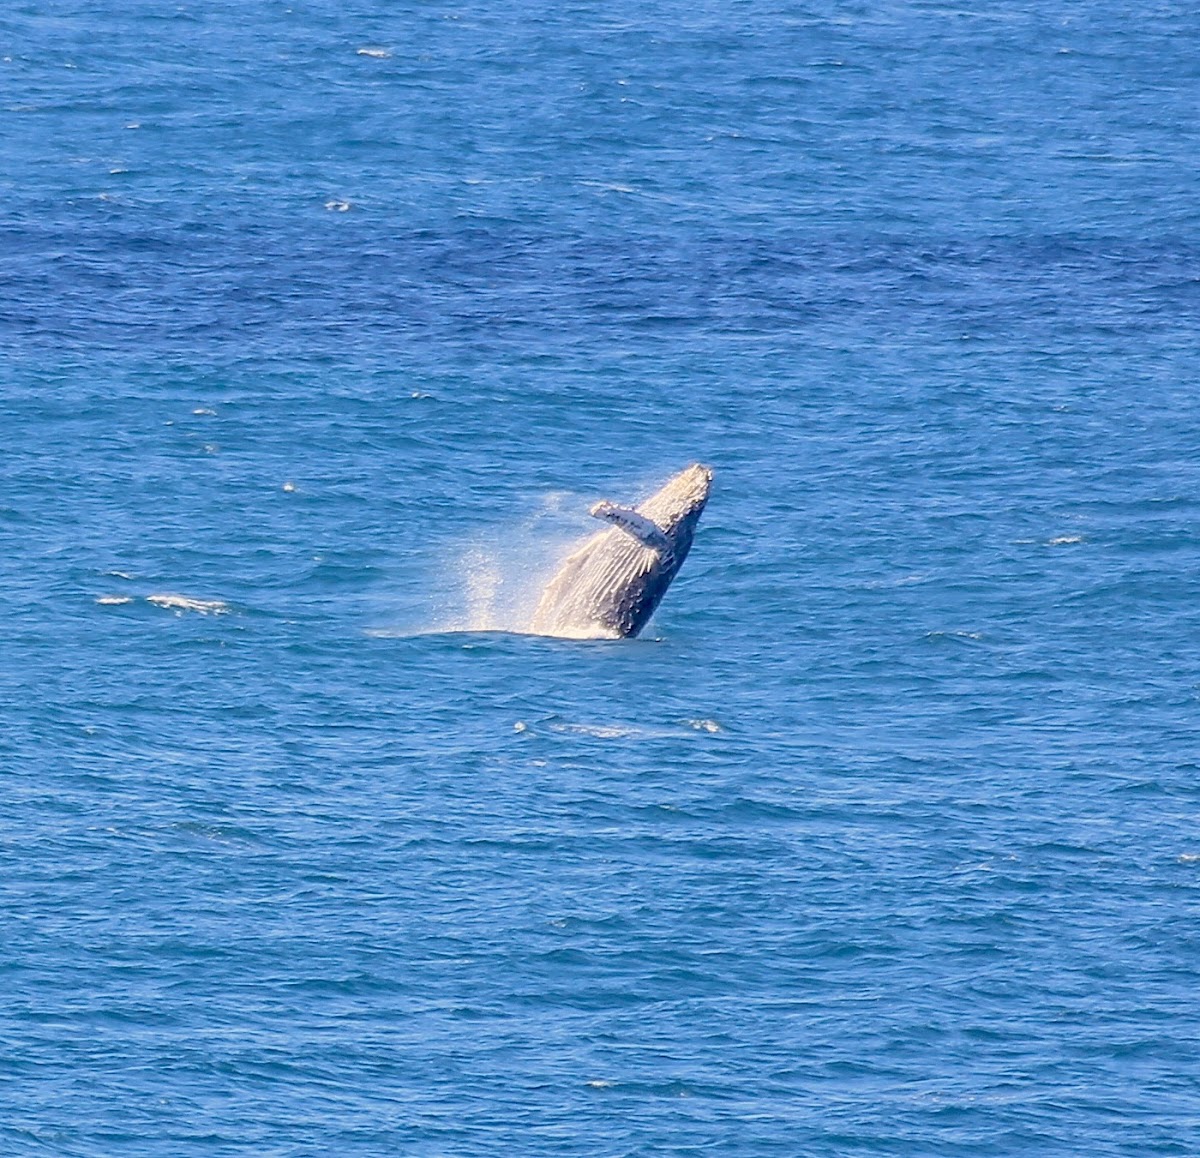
x=323 y=324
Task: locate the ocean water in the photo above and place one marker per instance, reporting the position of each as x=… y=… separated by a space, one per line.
x=322 y=325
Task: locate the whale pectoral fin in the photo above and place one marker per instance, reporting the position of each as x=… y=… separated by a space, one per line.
x=644 y=530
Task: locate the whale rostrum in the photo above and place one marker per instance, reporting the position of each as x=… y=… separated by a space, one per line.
x=609 y=588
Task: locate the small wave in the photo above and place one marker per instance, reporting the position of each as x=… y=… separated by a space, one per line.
x=901 y=581
x=336 y=206
x=704 y=725
x=377 y=53
x=600 y=731
x=609 y=186
x=114 y=600
x=1064 y=540
x=182 y=603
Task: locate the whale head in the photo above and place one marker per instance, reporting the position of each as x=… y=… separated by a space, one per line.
x=677 y=505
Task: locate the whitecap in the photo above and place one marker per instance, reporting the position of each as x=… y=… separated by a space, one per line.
x=901 y=581
x=182 y=603
x=609 y=186
x=114 y=600
x=377 y=53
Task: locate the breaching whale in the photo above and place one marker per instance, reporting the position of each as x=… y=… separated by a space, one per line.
x=609 y=588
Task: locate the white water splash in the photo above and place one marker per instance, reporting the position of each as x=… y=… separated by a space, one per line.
x=481 y=573
x=498 y=581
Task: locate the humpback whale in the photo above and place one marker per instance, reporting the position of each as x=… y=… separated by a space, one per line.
x=609 y=588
